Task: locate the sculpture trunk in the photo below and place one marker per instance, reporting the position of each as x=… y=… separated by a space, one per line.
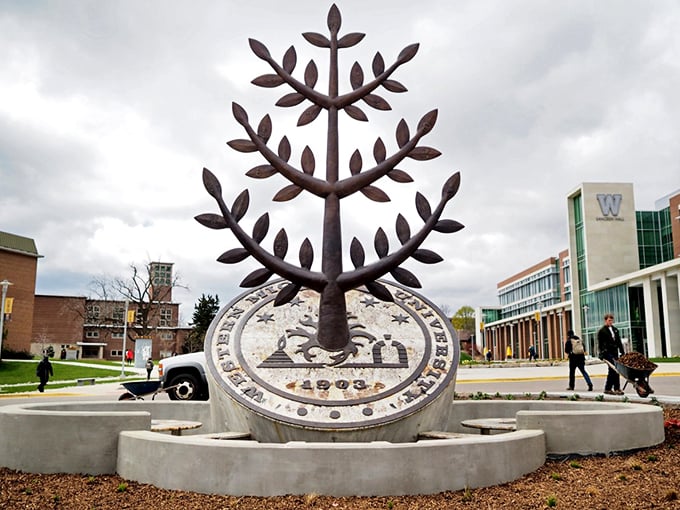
x=333 y=332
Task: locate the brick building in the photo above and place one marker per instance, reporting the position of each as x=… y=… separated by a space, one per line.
x=85 y=327
x=18 y=265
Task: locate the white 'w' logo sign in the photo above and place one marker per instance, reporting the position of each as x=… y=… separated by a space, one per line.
x=609 y=204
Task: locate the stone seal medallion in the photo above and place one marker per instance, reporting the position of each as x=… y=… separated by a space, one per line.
x=264 y=363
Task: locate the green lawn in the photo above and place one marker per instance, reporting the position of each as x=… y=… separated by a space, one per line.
x=18 y=372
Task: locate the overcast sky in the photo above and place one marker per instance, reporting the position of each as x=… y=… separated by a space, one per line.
x=110 y=110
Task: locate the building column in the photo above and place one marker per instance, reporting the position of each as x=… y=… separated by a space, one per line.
x=670 y=291
x=652 y=321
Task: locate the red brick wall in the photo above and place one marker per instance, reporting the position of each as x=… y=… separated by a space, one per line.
x=58 y=320
x=21 y=271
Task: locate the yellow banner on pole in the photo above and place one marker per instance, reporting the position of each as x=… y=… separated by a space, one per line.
x=537 y=316
x=8 y=304
x=132 y=316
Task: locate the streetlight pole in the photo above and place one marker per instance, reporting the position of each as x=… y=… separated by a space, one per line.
x=125 y=319
x=5 y=283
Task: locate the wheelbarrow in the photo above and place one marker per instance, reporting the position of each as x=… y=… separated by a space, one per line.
x=137 y=390
x=638 y=377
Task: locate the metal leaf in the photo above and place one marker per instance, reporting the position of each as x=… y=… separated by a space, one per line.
x=281 y=244
x=380 y=291
x=381 y=244
x=399 y=176
x=211 y=184
x=261 y=228
x=426 y=256
x=379 y=151
x=356 y=76
x=240 y=206
x=306 y=254
x=284 y=149
x=264 y=129
x=289 y=60
x=239 y=113
x=292 y=99
x=334 y=19
x=317 y=39
x=407 y=53
x=311 y=74
x=233 y=256
x=378 y=64
x=428 y=121
x=394 y=86
x=287 y=193
x=259 y=49
x=307 y=161
x=355 y=162
x=261 y=172
x=423 y=206
x=286 y=294
x=451 y=186
x=242 y=145
x=214 y=221
x=403 y=135
x=309 y=115
x=257 y=277
x=356 y=253
x=268 y=81
x=424 y=153
x=403 y=229
x=405 y=277
x=376 y=102
x=349 y=40
x=355 y=113
x=448 y=226
x=375 y=194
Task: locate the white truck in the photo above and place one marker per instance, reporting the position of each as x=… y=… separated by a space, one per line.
x=185 y=376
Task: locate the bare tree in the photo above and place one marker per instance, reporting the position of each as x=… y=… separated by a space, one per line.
x=144 y=294
x=333 y=332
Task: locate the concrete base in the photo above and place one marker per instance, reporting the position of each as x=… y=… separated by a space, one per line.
x=108 y=437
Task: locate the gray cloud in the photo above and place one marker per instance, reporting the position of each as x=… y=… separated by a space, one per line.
x=111 y=110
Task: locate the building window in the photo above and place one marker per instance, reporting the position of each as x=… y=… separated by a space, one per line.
x=166 y=316
x=92 y=334
x=117 y=334
x=162 y=274
x=114 y=353
x=93 y=311
x=166 y=335
x=118 y=314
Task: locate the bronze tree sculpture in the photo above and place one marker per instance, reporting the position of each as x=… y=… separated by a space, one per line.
x=333 y=333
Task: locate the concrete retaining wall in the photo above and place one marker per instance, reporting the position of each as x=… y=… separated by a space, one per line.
x=573 y=427
x=78 y=437
x=338 y=469
x=108 y=437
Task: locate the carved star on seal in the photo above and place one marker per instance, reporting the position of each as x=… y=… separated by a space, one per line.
x=296 y=301
x=369 y=302
x=400 y=318
x=265 y=317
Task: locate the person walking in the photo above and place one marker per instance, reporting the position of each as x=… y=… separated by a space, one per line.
x=577 y=359
x=44 y=371
x=532 y=353
x=609 y=345
x=149 y=368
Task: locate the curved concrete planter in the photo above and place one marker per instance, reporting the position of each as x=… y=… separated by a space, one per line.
x=108 y=437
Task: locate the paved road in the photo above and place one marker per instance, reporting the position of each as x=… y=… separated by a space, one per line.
x=505 y=379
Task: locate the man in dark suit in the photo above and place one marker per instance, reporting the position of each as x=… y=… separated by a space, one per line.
x=609 y=345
